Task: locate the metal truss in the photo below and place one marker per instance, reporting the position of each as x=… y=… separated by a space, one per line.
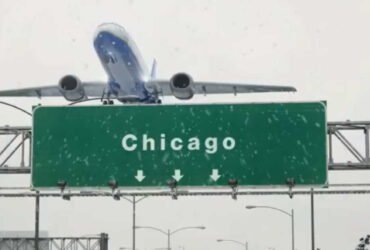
x=361 y=155
x=17 y=142
x=56 y=243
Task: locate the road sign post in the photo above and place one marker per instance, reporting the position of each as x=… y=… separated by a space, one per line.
x=143 y=146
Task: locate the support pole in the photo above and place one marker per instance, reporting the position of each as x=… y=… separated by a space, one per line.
x=37 y=220
x=133 y=222
x=103 y=242
x=312 y=220
x=169 y=240
x=293 y=246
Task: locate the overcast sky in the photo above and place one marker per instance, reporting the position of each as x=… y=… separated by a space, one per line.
x=320 y=47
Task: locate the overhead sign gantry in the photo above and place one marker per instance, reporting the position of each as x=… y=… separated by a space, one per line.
x=141 y=146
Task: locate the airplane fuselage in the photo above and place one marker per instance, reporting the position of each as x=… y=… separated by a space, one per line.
x=126 y=70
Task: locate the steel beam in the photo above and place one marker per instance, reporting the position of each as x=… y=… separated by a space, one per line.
x=317 y=191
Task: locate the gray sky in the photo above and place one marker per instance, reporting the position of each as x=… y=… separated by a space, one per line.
x=320 y=47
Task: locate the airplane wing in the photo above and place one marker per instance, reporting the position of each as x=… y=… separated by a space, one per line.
x=163 y=88
x=93 y=89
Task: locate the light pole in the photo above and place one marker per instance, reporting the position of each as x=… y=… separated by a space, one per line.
x=133 y=201
x=169 y=233
x=291 y=215
x=236 y=242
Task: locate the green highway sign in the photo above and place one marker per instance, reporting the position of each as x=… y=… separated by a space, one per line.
x=197 y=145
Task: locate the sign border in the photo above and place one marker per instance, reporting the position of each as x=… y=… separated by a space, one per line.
x=185 y=187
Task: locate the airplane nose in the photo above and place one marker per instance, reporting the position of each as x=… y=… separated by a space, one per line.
x=112 y=29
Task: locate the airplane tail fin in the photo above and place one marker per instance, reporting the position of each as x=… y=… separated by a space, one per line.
x=153 y=73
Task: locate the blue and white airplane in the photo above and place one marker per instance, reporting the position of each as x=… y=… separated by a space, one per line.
x=129 y=79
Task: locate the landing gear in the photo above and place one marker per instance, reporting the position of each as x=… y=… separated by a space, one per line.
x=108 y=102
x=154 y=101
x=105 y=98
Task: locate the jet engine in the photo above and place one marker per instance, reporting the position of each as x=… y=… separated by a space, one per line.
x=71 y=88
x=181 y=85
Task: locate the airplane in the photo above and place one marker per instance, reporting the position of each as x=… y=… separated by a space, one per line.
x=129 y=80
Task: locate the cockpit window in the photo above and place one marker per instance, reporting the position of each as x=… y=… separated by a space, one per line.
x=109 y=57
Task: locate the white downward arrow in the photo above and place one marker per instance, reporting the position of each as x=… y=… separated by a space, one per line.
x=177 y=175
x=140 y=176
x=215 y=176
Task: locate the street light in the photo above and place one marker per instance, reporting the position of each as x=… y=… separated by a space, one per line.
x=133 y=201
x=169 y=233
x=291 y=215
x=236 y=242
